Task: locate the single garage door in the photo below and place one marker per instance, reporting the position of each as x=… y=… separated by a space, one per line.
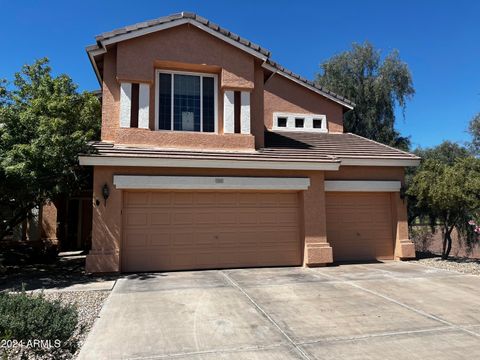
x=206 y=230
x=359 y=226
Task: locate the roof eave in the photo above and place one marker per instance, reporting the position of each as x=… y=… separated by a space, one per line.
x=151 y=161
x=92 y=51
x=378 y=161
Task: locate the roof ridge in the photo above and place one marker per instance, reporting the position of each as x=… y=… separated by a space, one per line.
x=179 y=16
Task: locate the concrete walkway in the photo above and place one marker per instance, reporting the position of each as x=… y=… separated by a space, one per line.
x=389 y=310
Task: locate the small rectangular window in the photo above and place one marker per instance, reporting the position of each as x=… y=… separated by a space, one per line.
x=282 y=122
x=299 y=122
x=317 y=123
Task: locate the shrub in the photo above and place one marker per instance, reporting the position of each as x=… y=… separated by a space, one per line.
x=26 y=317
x=422 y=237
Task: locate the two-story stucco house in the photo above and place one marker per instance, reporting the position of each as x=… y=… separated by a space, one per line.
x=214 y=156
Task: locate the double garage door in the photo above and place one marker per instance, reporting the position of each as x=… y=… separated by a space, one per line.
x=207 y=230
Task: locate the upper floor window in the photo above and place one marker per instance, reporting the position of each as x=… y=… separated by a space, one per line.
x=186 y=101
x=299 y=122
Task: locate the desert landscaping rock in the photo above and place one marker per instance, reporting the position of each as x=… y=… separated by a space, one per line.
x=463 y=265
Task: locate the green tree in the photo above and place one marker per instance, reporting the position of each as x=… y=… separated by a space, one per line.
x=474 y=130
x=44 y=123
x=446 y=153
x=450 y=193
x=376 y=87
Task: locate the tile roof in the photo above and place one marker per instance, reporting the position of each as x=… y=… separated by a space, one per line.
x=201 y=20
x=179 y=16
x=109 y=149
x=280 y=146
x=334 y=145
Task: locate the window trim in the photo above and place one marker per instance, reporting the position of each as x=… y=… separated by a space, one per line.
x=201 y=75
x=307 y=122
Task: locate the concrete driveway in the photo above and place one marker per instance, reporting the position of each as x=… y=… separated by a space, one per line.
x=391 y=310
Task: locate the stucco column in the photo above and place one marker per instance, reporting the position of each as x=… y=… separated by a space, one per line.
x=106 y=227
x=317 y=250
x=404 y=248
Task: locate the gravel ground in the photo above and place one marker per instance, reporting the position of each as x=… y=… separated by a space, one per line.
x=463 y=265
x=89 y=304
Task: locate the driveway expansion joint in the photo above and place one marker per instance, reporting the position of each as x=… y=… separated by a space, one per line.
x=207 y=352
x=374 y=335
x=408 y=307
x=267 y=316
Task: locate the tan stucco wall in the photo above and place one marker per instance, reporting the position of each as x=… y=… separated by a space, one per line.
x=107 y=219
x=184 y=140
x=110 y=96
x=182 y=48
x=284 y=95
x=186 y=44
x=188 y=48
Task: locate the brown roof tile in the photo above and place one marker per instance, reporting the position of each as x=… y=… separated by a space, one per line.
x=336 y=145
x=223 y=31
x=281 y=146
x=178 y=16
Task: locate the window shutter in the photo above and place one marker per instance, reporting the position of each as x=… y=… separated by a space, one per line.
x=134 y=105
x=125 y=104
x=245 y=113
x=229 y=112
x=143 y=106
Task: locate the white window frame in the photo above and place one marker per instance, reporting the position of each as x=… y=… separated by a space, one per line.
x=307 y=122
x=201 y=75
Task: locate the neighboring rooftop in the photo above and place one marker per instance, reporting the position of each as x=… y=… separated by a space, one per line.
x=96 y=51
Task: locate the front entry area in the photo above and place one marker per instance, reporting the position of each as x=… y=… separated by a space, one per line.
x=359 y=225
x=180 y=230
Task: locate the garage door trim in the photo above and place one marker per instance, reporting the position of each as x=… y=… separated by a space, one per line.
x=153 y=182
x=362 y=186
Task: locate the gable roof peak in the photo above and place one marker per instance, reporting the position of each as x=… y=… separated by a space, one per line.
x=176 y=19
x=187 y=17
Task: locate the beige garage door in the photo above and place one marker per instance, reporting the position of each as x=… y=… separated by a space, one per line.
x=205 y=230
x=359 y=226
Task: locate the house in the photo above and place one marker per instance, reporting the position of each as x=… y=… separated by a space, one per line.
x=215 y=156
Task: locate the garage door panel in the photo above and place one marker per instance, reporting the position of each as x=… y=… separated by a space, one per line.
x=137 y=198
x=182 y=198
x=136 y=239
x=159 y=198
x=359 y=226
x=136 y=219
x=160 y=218
x=201 y=230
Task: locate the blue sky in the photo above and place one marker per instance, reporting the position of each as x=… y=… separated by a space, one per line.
x=440 y=41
